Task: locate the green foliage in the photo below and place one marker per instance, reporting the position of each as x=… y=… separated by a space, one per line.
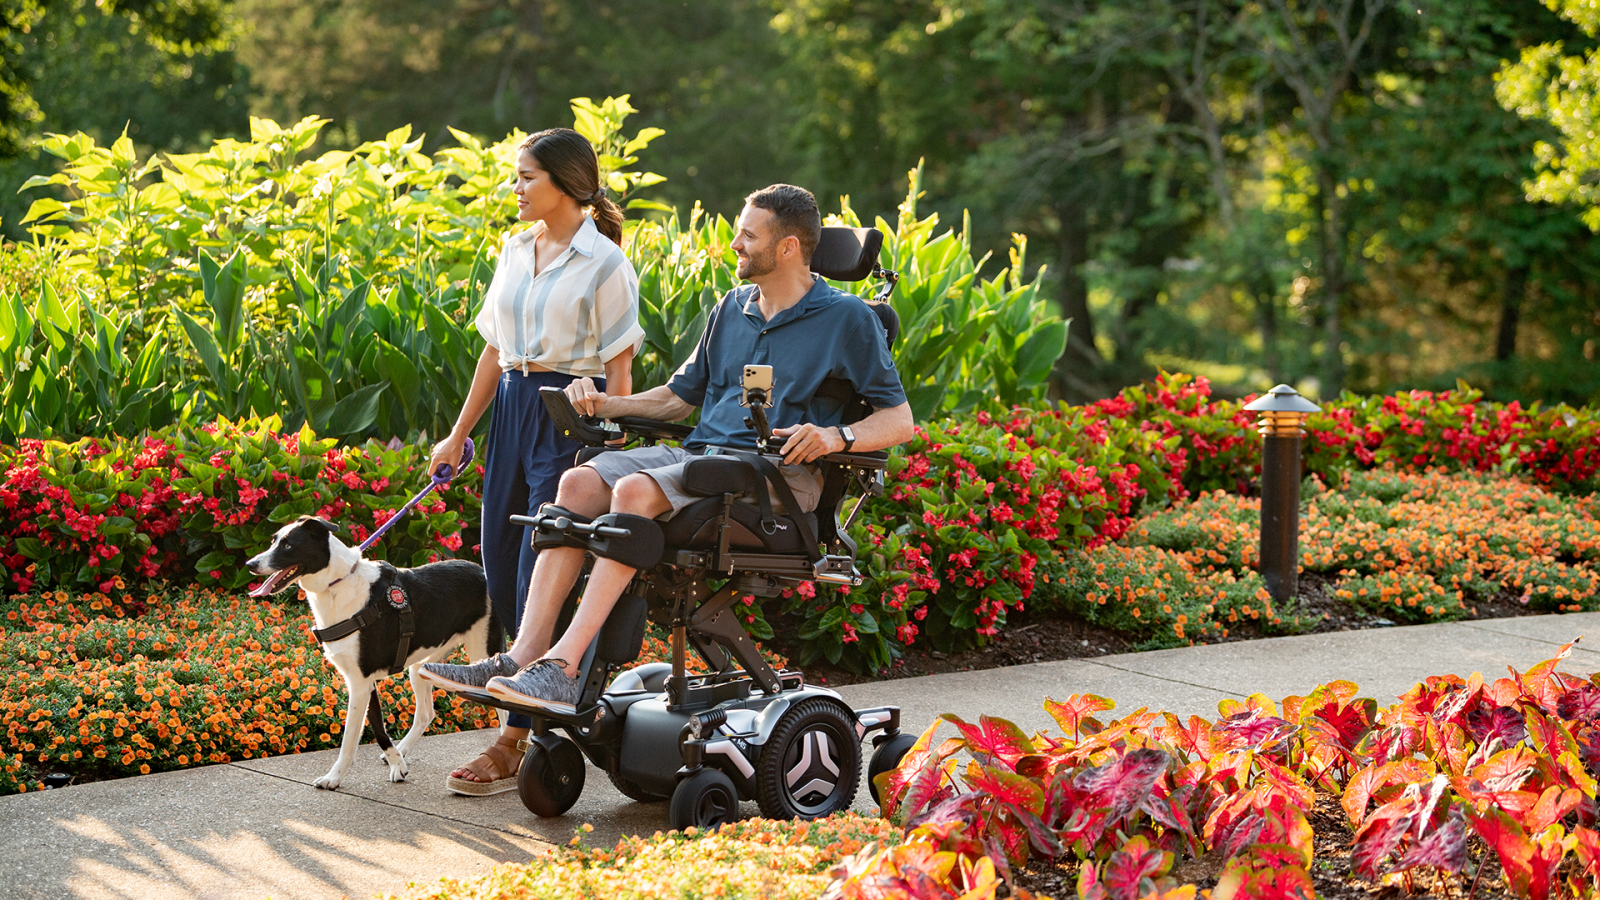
x=339 y=290
x=1549 y=85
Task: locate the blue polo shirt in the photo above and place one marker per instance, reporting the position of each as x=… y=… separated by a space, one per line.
x=828 y=333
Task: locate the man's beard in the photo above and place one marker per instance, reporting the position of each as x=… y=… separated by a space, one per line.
x=756 y=265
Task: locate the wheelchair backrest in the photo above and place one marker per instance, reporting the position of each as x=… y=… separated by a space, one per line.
x=851 y=254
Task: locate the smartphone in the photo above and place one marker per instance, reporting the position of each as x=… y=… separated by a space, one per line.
x=758 y=378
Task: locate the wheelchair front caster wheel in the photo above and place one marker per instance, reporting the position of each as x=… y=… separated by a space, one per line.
x=810 y=765
x=705 y=799
x=886 y=758
x=551 y=777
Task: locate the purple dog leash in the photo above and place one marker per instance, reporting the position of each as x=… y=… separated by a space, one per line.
x=441 y=477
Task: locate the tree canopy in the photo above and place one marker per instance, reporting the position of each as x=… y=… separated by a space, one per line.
x=1333 y=193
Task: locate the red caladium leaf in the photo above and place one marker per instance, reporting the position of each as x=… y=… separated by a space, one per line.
x=1586 y=847
x=1007 y=788
x=1077 y=710
x=1285 y=782
x=1529 y=865
x=1132 y=871
x=1089 y=885
x=1006 y=843
x=1540 y=683
x=920 y=791
x=1195 y=740
x=1170 y=807
x=1582 y=703
x=1378 y=837
x=1501 y=724
x=892 y=784
x=1240 y=834
x=1255 y=729
x=1506 y=770
x=1368 y=781
x=1042 y=836
x=1393 y=743
x=1122 y=784
x=1351 y=722
x=1247 y=879
x=1552 y=806
x=993 y=737
x=1445 y=847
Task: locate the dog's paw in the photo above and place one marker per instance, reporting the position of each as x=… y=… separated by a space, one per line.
x=328 y=782
x=398 y=774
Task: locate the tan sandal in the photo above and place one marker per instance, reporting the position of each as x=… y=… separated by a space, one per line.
x=494 y=771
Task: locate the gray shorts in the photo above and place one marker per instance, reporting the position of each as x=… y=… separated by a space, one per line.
x=665 y=465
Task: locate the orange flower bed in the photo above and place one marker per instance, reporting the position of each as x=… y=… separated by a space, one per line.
x=1412 y=547
x=103 y=688
x=753 y=858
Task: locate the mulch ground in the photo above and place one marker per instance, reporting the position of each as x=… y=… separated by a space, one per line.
x=1029 y=638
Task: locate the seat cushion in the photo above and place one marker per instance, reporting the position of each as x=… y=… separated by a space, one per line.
x=695 y=528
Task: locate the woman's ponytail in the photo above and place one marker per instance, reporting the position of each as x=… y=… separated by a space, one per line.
x=575 y=169
x=607 y=218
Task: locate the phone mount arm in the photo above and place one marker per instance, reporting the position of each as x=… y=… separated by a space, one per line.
x=757 y=401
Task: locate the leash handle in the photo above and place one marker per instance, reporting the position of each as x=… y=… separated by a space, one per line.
x=441 y=477
x=445 y=472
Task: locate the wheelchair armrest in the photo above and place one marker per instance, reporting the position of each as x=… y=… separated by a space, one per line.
x=586 y=429
x=653 y=429
x=868 y=459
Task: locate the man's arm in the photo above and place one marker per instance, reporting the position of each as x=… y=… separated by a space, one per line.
x=657 y=403
x=879 y=431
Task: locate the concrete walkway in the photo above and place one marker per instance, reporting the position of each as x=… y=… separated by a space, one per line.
x=258 y=829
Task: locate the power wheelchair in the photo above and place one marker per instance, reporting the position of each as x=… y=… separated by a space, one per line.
x=745 y=731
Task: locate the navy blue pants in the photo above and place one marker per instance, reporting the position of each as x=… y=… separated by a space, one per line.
x=522 y=470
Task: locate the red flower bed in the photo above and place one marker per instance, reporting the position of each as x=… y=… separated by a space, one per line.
x=193 y=504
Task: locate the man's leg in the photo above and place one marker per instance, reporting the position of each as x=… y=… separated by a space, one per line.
x=637 y=495
x=585 y=493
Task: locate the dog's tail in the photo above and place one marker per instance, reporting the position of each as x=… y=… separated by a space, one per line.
x=496 y=640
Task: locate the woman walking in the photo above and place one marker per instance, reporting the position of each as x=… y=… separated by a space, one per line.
x=563 y=304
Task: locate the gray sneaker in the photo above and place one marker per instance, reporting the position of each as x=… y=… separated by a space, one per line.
x=470 y=677
x=540 y=683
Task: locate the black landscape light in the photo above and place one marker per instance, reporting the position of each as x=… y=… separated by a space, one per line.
x=1283 y=417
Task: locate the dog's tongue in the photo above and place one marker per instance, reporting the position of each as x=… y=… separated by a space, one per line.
x=271 y=584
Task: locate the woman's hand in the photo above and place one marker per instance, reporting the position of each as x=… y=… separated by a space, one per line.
x=586 y=398
x=447 y=453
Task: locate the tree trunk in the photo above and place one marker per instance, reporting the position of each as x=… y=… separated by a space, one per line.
x=1079 y=364
x=1333 y=286
x=1516 y=287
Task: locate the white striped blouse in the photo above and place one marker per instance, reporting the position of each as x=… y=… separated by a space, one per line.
x=573 y=317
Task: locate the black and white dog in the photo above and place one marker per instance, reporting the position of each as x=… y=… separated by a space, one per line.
x=374 y=619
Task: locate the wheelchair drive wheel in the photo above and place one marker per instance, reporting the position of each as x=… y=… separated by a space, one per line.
x=885 y=758
x=705 y=799
x=810 y=764
x=552 y=775
x=633 y=791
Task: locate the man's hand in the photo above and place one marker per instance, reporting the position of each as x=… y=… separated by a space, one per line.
x=808 y=442
x=585 y=397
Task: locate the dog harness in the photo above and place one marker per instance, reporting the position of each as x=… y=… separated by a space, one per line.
x=370 y=615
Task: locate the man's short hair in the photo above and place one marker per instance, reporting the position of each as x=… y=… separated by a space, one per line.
x=795 y=211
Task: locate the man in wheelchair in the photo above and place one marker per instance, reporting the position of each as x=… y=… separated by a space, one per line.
x=788 y=349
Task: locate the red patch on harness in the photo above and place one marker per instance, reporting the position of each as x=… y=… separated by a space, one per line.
x=397 y=597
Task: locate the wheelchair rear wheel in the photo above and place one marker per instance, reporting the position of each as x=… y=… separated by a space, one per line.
x=810 y=765
x=551 y=777
x=705 y=799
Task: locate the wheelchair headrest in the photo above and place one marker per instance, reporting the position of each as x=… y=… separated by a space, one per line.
x=846 y=254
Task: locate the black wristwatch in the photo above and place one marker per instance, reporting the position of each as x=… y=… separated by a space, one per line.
x=849 y=437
